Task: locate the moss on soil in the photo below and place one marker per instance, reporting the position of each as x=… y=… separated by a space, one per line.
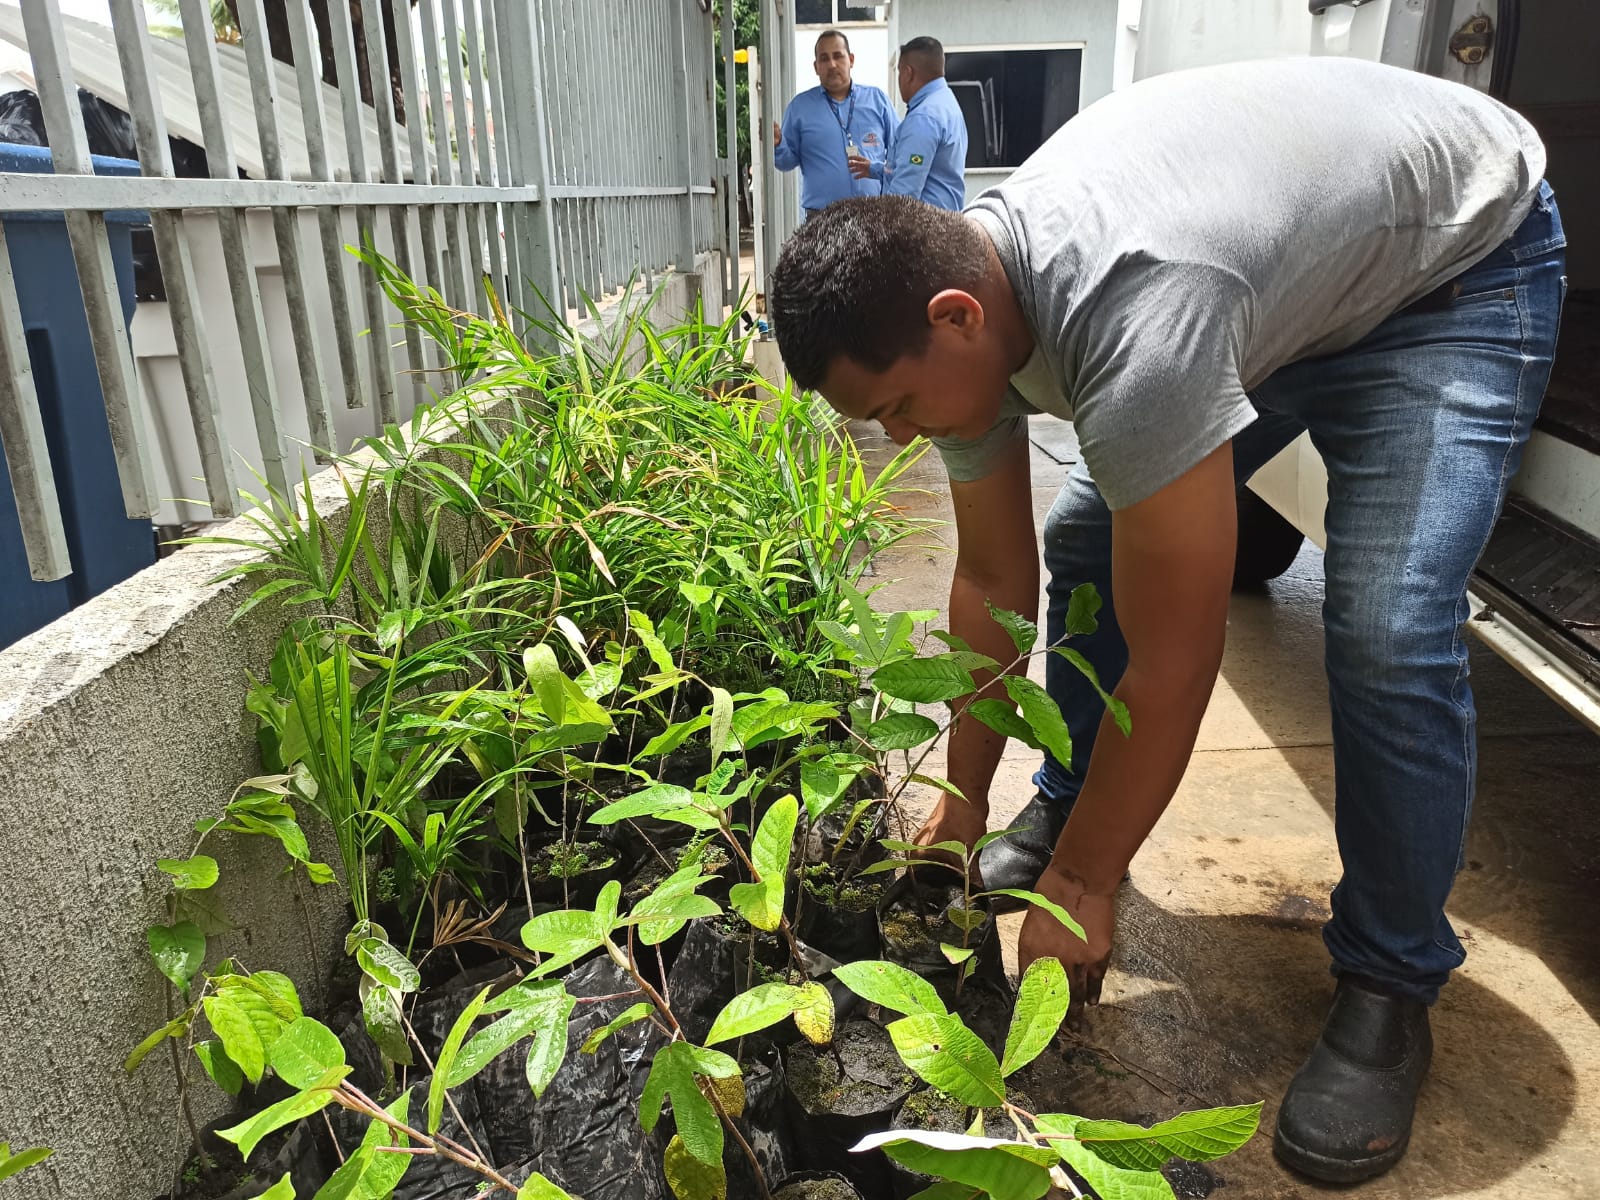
x=817 y=1189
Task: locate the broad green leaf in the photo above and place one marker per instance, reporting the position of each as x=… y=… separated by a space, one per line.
x=902 y=731
x=966 y=919
x=533 y=1009
x=565 y=935
x=721 y=721
x=1002 y=718
x=238 y=1034
x=223 y=1070
x=761 y=1006
x=11 y=1164
x=672 y=1074
x=539 y=1188
x=933 y=781
x=446 y=1061
x=178 y=951
x=393 y=626
x=1119 y=710
x=1043 y=717
x=924 y=680
x=190 y=874
x=372 y=1173
x=1108 y=1182
x=282 y=1190
x=1042 y=1000
x=381 y=1014
x=1010 y=1169
x=668 y=914
x=1199 y=1136
x=673 y=736
x=1081 y=610
x=824 y=781
x=697 y=594
x=645 y=631
x=387 y=965
x=278 y=991
x=948 y=1055
x=691 y=1179
x=994 y=835
x=360 y=932
x=176 y=1027
x=628 y=1016
x=320 y=873
x=661 y=800
x=891 y=986
x=1023 y=632
x=247 y=1134
x=1038 y=901
x=813 y=1014
x=946 y=1189
x=956 y=955
x=544 y=674
x=761 y=903
x=305 y=1052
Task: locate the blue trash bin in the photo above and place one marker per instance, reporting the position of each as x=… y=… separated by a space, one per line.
x=105 y=544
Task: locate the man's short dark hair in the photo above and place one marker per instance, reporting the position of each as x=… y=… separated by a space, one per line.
x=927 y=54
x=855 y=280
x=825 y=35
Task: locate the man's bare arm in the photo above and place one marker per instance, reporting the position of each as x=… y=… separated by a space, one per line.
x=997 y=560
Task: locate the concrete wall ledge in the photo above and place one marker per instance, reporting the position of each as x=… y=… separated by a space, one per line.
x=120 y=726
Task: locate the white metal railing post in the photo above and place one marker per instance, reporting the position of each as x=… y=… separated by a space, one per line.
x=91 y=252
x=685 y=137
x=538 y=253
x=730 y=126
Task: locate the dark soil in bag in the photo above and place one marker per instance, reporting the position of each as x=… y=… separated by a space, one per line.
x=816 y=1185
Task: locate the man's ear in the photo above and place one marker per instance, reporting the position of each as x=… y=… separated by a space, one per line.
x=958 y=310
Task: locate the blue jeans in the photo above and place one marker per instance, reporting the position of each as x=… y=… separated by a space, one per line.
x=1421 y=425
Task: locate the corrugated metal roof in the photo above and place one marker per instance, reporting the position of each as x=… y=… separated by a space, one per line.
x=96 y=68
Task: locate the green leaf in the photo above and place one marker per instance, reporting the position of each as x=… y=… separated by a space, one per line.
x=1010 y=1169
x=628 y=1016
x=11 y=1164
x=721 y=721
x=446 y=1061
x=372 y=1173
x=761 y=903
x=566 y=935
x=178 y=951
x=891 y=986
x=966 y=919
x=393 y=626
x=176 y=1027
x=956 y=955
x=1038 y=901
x=1042 y=1000
x=1043 y=717
x=666 y=801
x=544 y=673
x=305 y=1052
x=320 y=873
x=948 y=1055
x=691 y=1179
x=1002 y=718
x=902 y=731
x=247 y=1134
x=1108 y=1182
x=645 y=631
x=1081 y=610
x=673 y=736
x=1119 y=710
x=933 y=781
x=813 y=1013
x=697 y=594
x=278 y=991
x=924 y=680
x=223 y=1070
x=190 y=874
x=381 y=1014
x=669 y=913
x=761 y=1006
x=537 y=1010
x=946 y=1189
x=282 y=1190
x=387 y=965
x=539 y=1188
x=1024 y=633
x=1199 y=1136
x=672 y=1074
x=238 y=1033
x=824 y=781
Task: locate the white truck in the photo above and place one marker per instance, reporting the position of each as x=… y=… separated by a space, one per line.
x=1536 y=593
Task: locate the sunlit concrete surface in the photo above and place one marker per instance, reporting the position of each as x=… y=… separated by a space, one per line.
x=1220 y=982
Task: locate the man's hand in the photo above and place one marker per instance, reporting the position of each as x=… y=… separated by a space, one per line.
x=777 y=135
x=1043 y=936
x=860 y=167
x=952 y=820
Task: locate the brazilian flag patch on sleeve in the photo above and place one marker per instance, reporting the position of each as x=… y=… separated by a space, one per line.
x=916 y=160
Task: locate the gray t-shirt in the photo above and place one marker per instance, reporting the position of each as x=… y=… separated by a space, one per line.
x=1182 y=239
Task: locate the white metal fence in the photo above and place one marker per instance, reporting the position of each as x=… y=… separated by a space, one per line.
x=557 y=148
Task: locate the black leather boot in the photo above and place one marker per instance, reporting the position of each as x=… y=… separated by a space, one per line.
x=1017 y=861
x=1347 y=1114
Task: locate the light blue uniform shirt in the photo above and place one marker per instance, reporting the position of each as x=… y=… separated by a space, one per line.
x=930 y=149
x=815 y=131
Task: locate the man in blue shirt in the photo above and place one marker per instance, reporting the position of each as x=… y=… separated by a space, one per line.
x=838 y=133
x=930 y=147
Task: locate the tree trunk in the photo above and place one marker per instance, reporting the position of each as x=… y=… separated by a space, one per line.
x=283 y=51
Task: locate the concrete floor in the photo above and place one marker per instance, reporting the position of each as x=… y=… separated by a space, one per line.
x=1219 y=984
